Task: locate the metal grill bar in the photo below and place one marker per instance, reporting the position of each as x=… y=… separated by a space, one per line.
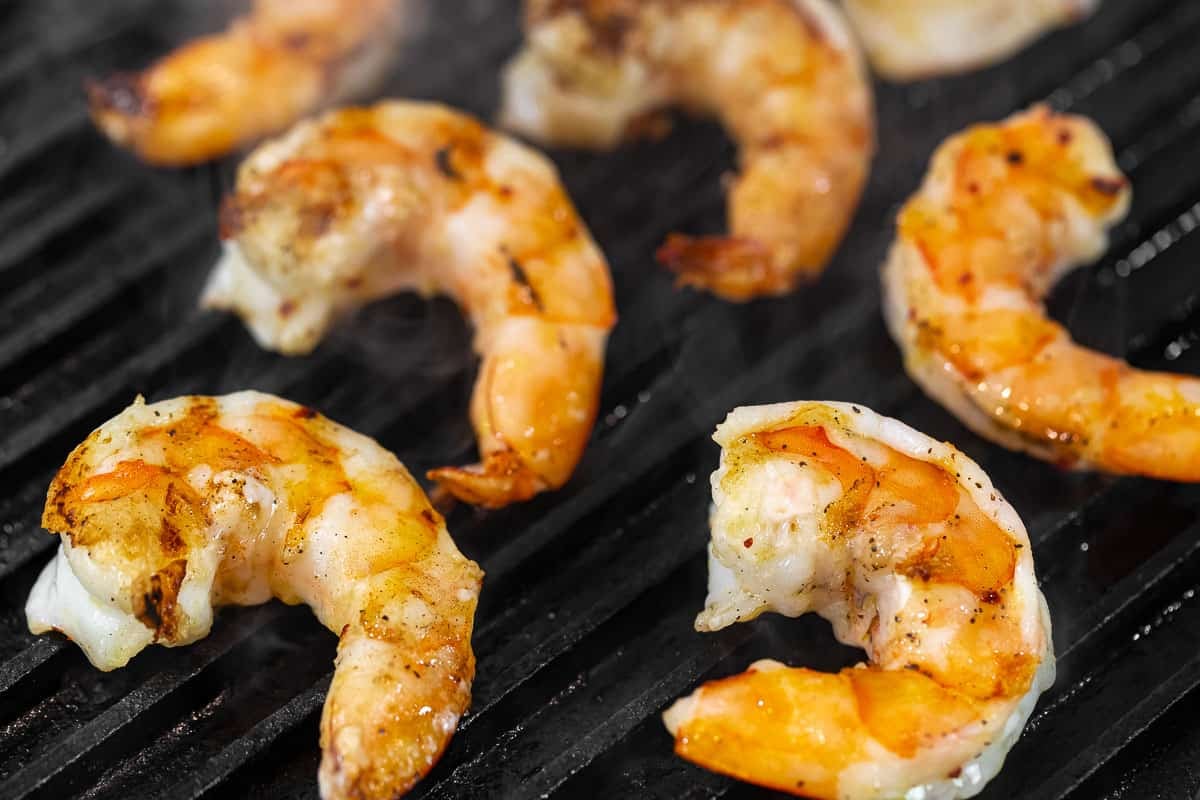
x=77 y=299
x=67 y=752
x=21 y=245
x=1161 y=30
x=21 y=666
x=252 y=744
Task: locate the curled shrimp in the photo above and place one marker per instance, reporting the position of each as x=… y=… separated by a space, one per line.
x=363 y=203
x=282 y=61
x=920 y=38
x=170 y=509
x=783 y=76
x=902 y=543
x=1005 y=210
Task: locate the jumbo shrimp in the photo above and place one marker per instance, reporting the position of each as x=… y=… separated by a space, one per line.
x=783 y=76
x=168 y=510
x=904 y=545
x=1006 y=209
x=363 y=203
x=283 y=60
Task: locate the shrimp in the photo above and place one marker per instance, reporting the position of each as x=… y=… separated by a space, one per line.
x=1005 y=210
x=170 y=509
x=904 y=545
x=282 y=61
x=363 y=203
x=783 y=76
x=921 y=38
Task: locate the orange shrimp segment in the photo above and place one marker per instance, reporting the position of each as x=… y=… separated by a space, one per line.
x=811 y=442
x=125 y=477
x=911 y=492
x=904 y=490
x=1008 y=184
x=796 y=727
x=196 y=439
x=903 y=545
x=906 y=711
x=974 y=553
x=982 y=343
x=1156 y=430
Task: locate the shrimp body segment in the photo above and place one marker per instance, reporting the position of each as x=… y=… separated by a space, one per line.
x=913 y=39
x=902 y=543
x=283 y=60
x=170 y=509
x=1006 y=209
x=783 y=76
x=363 y=203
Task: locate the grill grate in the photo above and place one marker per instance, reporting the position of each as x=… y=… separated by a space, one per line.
x=584 y=628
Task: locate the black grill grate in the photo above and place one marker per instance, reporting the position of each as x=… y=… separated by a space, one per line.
x=584 y=629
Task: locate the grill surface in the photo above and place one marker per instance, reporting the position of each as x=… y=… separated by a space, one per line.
x=584 y=628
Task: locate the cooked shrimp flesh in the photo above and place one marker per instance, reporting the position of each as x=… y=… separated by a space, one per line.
x=904 y=545
x=783 y=76
x=170 y=509
x=367 y=202
x=283 y=60
x=1005 y=210
x=910 y=39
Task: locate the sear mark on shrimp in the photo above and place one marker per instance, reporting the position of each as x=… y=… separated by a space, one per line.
x=522 y=280
x=363 y=203
x=171 y=509
x=281 y=61
x=902 y=543
x=783 y=76
x=977 y=249
x=922 y=38
x=444 y=163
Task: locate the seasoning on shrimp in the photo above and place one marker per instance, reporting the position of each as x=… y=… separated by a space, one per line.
x=783 y=76
x=1006 y=209
x=903 y=544
x=363 y=203
x=282 y=61
x=170 y=509
x=920 y=38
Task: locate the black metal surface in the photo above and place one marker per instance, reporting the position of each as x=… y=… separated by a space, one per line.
x=584 y=629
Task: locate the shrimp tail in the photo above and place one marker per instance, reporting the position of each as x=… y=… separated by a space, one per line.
x=379 y=747
x=733 y=267
x=116 y=103
x=503 y=478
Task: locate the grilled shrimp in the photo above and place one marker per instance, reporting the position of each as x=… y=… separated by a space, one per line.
x=170 y=509
x=282 y=61
x=902 y=543
x=1005 y=210
x=783 y=76
x=913 y=39
x=364 y=203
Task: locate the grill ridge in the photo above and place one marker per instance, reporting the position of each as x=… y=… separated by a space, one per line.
x=67 y=751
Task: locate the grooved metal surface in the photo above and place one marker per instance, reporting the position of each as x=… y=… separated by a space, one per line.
x=584 y=628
